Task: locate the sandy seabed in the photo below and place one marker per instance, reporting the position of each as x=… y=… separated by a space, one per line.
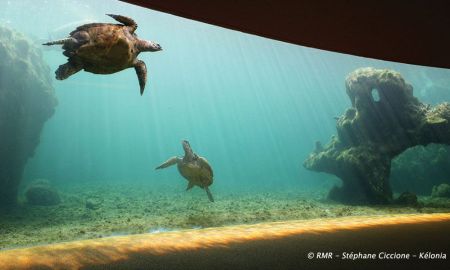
x=120 y=210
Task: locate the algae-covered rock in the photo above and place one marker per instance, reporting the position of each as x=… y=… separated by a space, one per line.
x=94 y=202
x=407 y=198
x=443 y=191
x=27 y=100
x=420 y=168
x=40 y=192
x=385 y=119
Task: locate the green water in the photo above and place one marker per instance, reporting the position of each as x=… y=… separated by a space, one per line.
x=252 y=106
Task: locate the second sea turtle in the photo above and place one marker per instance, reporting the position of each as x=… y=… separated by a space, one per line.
x=194 y=168
x=105 y=48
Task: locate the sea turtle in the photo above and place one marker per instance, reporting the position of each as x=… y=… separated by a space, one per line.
x=194 y=168
x=105 y=48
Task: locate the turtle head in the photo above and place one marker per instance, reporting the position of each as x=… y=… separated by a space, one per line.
x=188 y=153
x=148 y=46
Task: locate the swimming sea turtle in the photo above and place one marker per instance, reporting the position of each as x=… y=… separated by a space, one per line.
x=195 y=169
x=105 y=48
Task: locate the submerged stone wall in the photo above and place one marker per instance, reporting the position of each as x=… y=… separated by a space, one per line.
x=27 y=100
x=385 y=119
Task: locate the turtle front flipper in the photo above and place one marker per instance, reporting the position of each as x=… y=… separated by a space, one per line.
x=171 y=161
x=67 y=70
x=141 y=72
x=208 y=192
x=125 y=20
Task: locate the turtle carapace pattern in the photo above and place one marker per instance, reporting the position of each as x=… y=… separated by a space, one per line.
x=105 y=48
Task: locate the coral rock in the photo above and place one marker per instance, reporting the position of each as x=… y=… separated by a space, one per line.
x=41 y=193
x=443 y=190
x=407 y=198
x=385 y=119
x=27 y=100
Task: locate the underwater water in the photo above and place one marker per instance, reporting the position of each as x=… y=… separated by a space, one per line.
x=253 y=107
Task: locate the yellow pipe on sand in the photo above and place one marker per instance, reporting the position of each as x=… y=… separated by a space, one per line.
x=274 y=245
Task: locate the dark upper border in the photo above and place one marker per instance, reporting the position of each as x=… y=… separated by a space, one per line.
x=407 y=31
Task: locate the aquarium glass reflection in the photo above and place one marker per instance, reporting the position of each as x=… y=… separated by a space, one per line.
x=252 y=110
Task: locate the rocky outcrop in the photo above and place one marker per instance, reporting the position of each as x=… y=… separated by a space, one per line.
x=40 y=192
x=441 y=191
x=385 y=119
x=420 y=168
x=27 y=100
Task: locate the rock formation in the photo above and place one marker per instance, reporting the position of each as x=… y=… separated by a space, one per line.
x=385 y=119
x=441 y=191
x=27 y=100
x=40 y=192
x=420 y=168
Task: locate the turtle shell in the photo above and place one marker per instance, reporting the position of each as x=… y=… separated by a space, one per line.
x=197 y=171
x=110 y=48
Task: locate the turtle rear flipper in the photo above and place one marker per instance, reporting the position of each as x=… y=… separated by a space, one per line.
x=141 y=72
x=59 y=41
x=73 y=42
x=67 y=70
x=208 y=192
x=125 y=20
x=189 y=186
